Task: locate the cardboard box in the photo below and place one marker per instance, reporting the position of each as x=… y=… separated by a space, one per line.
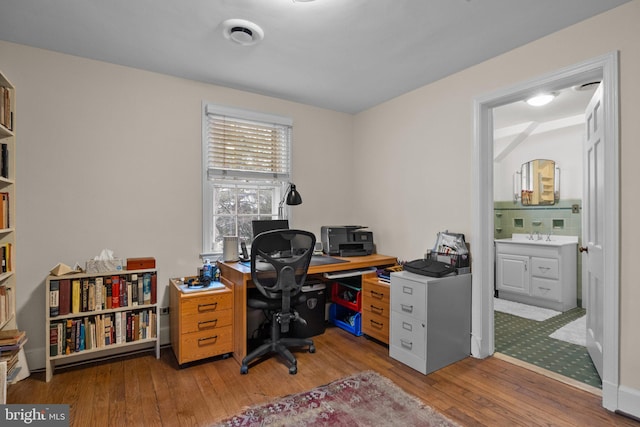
x=141 y=263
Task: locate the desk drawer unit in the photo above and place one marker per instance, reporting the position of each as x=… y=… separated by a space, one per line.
x=375 y=308
x=201 y=323
x=430 y=320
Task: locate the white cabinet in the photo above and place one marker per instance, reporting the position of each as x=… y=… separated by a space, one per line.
x=430 y=324
x=538 y=273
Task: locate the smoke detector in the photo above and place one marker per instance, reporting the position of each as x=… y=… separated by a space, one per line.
x=241 y=31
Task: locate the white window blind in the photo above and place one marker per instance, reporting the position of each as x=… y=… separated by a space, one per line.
x=245 y=148
x=246 y=166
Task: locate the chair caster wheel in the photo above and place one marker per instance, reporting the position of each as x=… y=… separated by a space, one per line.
x=244 y=369
x=293 y=370
x=312 y=349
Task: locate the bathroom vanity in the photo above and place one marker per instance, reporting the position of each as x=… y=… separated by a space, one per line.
x=538 y=270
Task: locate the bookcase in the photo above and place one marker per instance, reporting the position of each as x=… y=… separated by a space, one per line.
x=97 y=315
x=7 y=229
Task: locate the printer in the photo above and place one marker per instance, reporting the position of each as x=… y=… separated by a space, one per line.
x=346 y=240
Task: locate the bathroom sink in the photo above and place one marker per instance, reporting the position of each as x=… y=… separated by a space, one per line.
x=542 y=239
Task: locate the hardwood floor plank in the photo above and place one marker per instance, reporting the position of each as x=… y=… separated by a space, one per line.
x=141 y=390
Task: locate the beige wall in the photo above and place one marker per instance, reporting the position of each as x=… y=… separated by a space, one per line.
x=110 y=157
x=417 y=151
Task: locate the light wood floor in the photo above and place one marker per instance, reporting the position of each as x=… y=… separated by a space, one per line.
x=142 y=391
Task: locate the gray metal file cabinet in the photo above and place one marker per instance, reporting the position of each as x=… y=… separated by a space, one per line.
x=430 y=320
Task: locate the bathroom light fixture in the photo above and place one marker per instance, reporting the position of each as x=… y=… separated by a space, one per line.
x=541 y=99
x=241 y=31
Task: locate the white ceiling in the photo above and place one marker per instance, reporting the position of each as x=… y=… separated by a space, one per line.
x=344 y=55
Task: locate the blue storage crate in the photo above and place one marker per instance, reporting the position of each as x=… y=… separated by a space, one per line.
x=343 y=318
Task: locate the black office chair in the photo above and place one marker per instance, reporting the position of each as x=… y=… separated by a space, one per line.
x=279 y=263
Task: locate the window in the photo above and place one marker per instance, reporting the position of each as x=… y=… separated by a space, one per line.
x=246 y=168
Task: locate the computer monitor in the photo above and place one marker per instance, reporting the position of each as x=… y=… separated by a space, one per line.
x=276 y=245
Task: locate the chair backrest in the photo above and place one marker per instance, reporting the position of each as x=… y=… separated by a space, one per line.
x=284 y=272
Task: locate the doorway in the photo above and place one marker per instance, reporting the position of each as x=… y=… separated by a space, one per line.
x=482 y=340
x=552 y=340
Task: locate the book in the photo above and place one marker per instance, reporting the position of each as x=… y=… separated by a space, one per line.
x=85 y=295
x=53 y=339
x=99 y=294
x=54 y=298
x=115 y=291
x=154 y=288
x=76 y=295
x=146 y=288
x=69 y=337
x=4 y=166
x=134 y=289
x=64 y=300
x=108 y=292
x=11 y=336
x=4 y=210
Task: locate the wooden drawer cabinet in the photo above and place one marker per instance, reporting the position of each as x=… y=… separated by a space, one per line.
x=201 y=323
x=375 y=308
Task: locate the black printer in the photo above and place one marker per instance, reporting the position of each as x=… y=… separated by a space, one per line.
x=346 y=240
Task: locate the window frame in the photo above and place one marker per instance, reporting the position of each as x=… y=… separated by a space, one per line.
x=278 y=183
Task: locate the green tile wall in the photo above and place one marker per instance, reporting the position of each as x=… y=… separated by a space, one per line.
x=509 y=216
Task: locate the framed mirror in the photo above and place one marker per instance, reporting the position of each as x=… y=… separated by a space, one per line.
x=539 y=183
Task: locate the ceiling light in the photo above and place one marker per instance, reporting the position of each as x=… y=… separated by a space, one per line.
x=540 y=100
x=241 y=31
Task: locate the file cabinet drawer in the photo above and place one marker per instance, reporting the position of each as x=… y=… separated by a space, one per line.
x=199 y=304
x=200 y=345
x=408 y=297
x=205 y=321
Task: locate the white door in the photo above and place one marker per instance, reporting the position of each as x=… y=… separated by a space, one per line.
x=593 y=228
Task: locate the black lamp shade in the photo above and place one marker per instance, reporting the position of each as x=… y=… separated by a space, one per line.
x=293 y=197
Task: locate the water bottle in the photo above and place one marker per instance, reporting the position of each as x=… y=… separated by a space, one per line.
x=207 y=272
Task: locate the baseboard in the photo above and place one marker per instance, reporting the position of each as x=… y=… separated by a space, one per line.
x=629 y=402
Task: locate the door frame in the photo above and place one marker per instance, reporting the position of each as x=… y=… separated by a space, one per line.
x=604 y=67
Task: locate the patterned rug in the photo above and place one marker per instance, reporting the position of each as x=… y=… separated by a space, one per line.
x=364 y=399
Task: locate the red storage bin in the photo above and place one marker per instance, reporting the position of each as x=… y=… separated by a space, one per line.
x=346 y=295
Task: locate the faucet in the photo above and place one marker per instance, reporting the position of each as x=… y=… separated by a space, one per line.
x=530 y=235
x=538 y=236
x=549 y=236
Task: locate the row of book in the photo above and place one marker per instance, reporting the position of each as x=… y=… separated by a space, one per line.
x=90 y=332
x=6 y=304
x=78 y=295
x=6 y=115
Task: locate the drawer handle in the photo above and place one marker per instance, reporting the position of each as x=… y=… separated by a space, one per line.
x=378 y=295
x=206 y=323
x=376 y=324
x=204 y=340
x=407 y=326
x=407 y=308
x=407 y=290
x=377 y=310
x=406 y=344
x=203 y=307
x=544 y=289
x=544 y=269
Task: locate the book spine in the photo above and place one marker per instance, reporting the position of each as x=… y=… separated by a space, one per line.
x=75 y=295
x=115 y=291
x=65 y=297
x=54 y=298
x=53 y=339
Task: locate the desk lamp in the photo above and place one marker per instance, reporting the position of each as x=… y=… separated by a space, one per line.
x=292 y=197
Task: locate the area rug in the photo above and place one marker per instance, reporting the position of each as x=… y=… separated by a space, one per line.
x=523 y=310
x=364 y=399
x=573 y=332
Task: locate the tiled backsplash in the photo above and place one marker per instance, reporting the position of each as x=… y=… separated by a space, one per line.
x=559 y=219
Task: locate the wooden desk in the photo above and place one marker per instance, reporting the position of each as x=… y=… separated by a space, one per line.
x=237 y=276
